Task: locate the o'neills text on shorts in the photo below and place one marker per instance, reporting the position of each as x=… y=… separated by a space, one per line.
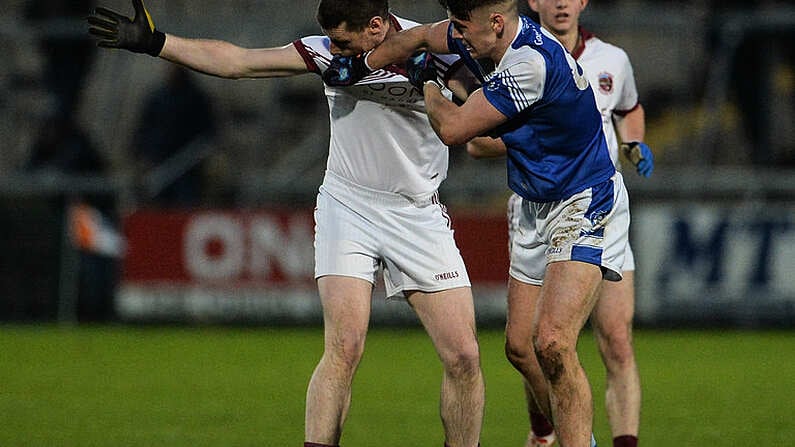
x=446 y=275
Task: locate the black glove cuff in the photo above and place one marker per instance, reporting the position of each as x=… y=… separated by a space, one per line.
x=158 y=40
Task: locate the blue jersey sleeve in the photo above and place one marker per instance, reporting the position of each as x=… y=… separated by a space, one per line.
x=519 y=86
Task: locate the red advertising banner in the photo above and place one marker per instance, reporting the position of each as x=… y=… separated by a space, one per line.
x=258 y=265
x=267 y=247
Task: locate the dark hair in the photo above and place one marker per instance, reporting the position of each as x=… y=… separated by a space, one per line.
x=462 y=8
x=355 y=13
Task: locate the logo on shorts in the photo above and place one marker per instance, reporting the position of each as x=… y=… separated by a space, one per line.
x=446 y=275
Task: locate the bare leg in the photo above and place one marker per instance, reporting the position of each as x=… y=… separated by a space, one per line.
x=612 y=322
x=449 y=319
x=346 y=315
x=566 y=300
x=519 y=329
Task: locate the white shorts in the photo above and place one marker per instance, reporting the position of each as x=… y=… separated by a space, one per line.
x=591 y=226
x=359 y=231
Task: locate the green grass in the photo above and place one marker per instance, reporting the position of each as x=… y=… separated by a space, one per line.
x=216 y=386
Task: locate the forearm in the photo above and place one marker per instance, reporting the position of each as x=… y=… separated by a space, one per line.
x=227 y=60
x=441 y=114
x=632 y=126
x=398 y=47
x=212 y=57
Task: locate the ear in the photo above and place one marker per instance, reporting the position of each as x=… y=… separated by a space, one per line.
x=534 y=4
x=377 y=25
x=497 y=23
x=584 y=4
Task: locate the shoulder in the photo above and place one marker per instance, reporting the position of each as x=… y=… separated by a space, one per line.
x=596 y=48
x=522 y=59
x=401 y=23
x=315 y=51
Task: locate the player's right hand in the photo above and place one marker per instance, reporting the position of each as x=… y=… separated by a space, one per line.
x=344 y=71
x=118 y=31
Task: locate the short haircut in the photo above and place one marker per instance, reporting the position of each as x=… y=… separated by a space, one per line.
x=463 y=8
x=356 y=14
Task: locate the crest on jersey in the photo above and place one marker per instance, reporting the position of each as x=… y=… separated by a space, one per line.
x=605 y=83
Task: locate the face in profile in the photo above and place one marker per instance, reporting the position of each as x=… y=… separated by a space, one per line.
x=347 y=42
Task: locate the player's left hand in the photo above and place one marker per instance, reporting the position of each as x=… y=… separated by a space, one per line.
x=641 y=156
x=344 y=71
x=420 y=69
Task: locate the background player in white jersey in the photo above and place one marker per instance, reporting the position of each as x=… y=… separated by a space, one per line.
x=574 y=212
x=377 y=208
x=610 y=74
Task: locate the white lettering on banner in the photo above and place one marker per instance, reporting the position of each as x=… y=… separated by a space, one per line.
x=227 y=247
x=214 y=230
x=292 y=250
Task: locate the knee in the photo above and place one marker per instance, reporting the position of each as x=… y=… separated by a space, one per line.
x=553 y=354
x=519 y=351
x=463 y=363
x=617 y=349
x=346 y=352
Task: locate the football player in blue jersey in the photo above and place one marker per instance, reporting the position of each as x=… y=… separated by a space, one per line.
x=538 y=107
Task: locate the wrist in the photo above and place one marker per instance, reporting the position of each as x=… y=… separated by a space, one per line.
x=157 y=43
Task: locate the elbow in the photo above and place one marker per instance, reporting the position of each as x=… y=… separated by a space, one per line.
x=450 y=137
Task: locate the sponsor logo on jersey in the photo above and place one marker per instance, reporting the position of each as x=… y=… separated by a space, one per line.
x=605 y=83
x=446 y=275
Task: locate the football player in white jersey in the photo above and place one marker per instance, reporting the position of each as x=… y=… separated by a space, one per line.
x=574 y=214
x=610 y=74
x=377 y=209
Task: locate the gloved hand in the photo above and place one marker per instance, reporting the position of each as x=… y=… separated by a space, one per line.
x=640 y=155
x=118 y=31
x=420 y=69
x=344 y=71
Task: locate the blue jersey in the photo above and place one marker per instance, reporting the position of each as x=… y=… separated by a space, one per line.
x=556 y=146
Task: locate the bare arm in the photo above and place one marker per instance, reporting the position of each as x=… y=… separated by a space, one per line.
x=632 y=126
x=226 y=60
x=398 y=47
x=457 y=125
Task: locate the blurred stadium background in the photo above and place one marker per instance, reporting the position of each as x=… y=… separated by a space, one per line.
x=132 y=190
x=116 y=206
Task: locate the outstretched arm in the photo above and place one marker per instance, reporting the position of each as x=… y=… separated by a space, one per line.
x=213 y=57
x=226 y=60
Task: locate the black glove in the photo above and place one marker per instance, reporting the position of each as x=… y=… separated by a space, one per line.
x=420 y=69
x=118 y=31
x=344 y=71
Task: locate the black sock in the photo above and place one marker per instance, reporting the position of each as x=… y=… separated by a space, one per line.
x=625 y=441
x=540 y=424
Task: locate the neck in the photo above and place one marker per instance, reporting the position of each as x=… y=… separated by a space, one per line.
x=570 y=39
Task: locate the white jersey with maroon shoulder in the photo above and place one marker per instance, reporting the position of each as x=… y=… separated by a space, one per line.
x=380 y=135
x=610 y=74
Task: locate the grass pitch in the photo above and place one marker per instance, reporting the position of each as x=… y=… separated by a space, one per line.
x=218 y=386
